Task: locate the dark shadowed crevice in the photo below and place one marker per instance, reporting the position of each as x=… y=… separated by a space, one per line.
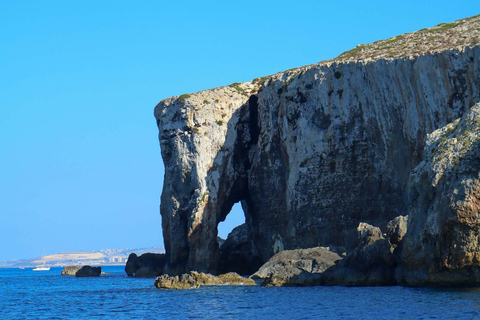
x=236 y=251
x=254 y=126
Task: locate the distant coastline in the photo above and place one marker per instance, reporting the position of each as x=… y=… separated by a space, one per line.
x=105 y=257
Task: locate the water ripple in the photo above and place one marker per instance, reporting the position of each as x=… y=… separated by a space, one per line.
x=27 y=294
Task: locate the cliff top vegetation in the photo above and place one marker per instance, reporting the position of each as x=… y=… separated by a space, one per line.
x=461 y=33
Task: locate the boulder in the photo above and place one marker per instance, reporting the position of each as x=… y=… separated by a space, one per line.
x=233 y=278
x=148 y=265
x=88 y=271
x=396 y=229
x=196 y=279
x=131 y=265
x=236 y=254
x=442 y=245
x=70 y=270
x=371 y=263
x=300 y=267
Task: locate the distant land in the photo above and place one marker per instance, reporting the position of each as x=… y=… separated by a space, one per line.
x=106 y=257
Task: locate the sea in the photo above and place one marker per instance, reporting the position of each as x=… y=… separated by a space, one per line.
x=27 y=294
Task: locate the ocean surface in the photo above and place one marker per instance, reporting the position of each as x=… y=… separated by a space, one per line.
x=25 y=294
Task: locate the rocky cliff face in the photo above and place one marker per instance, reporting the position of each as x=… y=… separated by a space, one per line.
x=309 y=152
x=442 y=245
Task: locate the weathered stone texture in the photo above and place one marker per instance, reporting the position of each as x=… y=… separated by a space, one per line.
x=70 y=270
x=147 y=265
x=442 y=244
x=310 y=152
x=88 y=271
x=195 y=279
x=301 y=267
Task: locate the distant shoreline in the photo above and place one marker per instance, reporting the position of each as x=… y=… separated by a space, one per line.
x=104 y=257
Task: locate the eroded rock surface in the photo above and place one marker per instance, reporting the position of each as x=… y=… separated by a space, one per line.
x=147 y=265
x=236 y=253
x=301 y=267
x=70 y=270
x=310 y=152
x=88 y=271
x=396 y=229
x=442 y=245
x=371 y=263
x=196 y=279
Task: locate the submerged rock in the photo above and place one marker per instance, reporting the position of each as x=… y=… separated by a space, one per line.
x=88 y=271
x=70 y=270
x=301 y=267
x=148 y=265
x=196 y=279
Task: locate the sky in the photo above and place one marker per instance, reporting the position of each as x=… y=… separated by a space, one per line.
x=80 y=163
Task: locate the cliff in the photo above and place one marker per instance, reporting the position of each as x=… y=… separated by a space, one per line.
x=313 y=151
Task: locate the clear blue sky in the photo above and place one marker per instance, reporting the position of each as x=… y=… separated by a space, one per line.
x=80 y=165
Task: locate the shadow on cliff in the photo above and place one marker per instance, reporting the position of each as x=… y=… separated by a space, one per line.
x=232 y=164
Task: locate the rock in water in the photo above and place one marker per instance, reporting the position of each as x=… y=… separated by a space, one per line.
x=442 y=246
x=236 y=253
x=233 y=278
x=301 y=267
x=148 y=265
x=131 y=265
x=196 y=279
x=70 y=270
x=371 y=263
x=88 y=271
x=312 y=152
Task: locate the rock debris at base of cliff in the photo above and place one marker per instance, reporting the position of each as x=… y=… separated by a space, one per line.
x=313 y=151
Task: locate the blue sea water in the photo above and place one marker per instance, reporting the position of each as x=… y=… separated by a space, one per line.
x=25 y=294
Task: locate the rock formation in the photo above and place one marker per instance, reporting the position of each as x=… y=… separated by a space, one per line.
x=371 y=263
x=88 y=271
x=236 y=253
x=396 y=229
x=442 y=245
x=312 y=152
x=148 y=265
x=196 y=279
x=70 y=270
x=301 y=267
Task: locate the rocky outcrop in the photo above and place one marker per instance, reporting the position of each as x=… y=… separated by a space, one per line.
x=442 y=246
x=196 y=279
x=233 y=278
x=70 y=270
x=310 y=152
x=396 y=229
x=301 y=267
x=88 y=271
x=148 y=265
x=236 y=253
x=371 y=263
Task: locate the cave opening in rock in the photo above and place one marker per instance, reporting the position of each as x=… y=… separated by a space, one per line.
x=234 y=218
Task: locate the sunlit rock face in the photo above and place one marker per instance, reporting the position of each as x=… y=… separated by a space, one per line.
x=442 y=245
x=309 y=152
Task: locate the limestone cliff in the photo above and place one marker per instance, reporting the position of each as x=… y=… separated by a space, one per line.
x=313 y=151
x=442 y=245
